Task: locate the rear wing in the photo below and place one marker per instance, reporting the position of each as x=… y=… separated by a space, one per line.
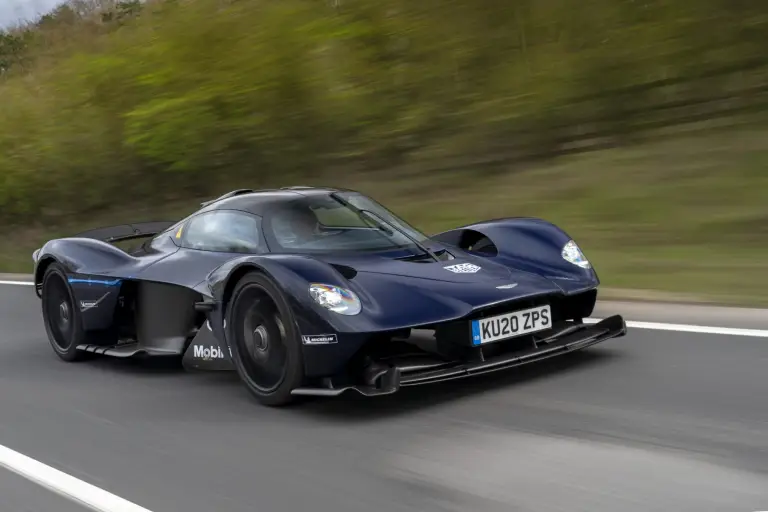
x=122 y=232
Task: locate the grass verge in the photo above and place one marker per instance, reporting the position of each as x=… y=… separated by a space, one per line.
x=687 y=216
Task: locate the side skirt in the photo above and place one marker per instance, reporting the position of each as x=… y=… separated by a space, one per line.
x=203 y=353
x=125 y=350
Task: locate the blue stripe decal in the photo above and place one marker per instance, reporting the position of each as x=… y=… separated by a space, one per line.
x=475 y=332
x=114 y=282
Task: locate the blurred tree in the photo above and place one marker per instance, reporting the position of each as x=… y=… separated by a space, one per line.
x=12 y=48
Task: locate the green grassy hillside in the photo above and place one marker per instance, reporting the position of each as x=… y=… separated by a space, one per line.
x=688 y=215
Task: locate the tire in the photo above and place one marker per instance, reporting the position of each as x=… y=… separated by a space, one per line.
x=63 y=320
x=262 y=333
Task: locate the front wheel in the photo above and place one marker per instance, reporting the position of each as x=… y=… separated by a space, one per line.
x=266 y=347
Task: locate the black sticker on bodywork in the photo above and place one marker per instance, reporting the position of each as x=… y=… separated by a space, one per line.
x=319 y=339
x=90 y=304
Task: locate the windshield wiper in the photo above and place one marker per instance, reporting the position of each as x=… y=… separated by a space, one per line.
x=384 y=225
x=390 y=225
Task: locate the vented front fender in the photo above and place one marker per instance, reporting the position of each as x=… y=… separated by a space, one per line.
x=528 y=244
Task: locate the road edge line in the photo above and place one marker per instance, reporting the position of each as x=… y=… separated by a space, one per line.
x=699 y=329
x=65 y=485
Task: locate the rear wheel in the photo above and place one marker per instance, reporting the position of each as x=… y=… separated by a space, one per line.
x=262 y=333
x=62 y=319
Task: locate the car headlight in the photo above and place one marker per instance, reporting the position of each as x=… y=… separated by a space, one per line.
x=337 y=299
x=572 y=254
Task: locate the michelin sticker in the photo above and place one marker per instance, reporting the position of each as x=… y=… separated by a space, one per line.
x=90 y=304
x=463 y=268
x=319 y=339
x=207 y=353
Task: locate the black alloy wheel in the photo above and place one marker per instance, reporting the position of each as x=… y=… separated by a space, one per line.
x=262 y=333
x=62 y=319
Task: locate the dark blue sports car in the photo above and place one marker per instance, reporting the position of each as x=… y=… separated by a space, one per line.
x=316 y=291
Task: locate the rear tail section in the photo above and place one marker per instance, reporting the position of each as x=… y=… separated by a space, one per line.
x=101 y=244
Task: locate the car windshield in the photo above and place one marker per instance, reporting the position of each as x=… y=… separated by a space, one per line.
x=344 y=221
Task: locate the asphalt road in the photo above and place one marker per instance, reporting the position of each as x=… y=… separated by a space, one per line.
x=653 y=421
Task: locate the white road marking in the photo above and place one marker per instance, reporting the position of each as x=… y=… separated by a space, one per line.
x=701 y=329
x=65 y=485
